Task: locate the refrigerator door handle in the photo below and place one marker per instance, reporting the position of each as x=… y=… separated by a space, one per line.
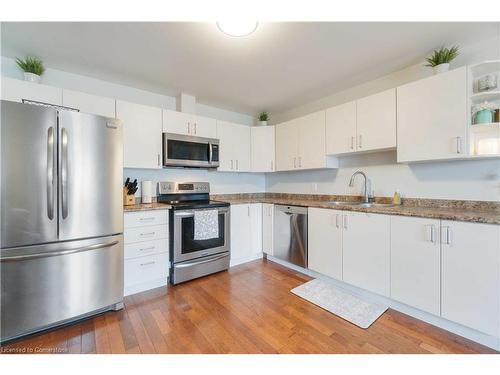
x=50 y=173
x=64 y=172
x=59 y=252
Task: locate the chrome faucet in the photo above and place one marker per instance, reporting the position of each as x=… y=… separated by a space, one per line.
x=366 y=198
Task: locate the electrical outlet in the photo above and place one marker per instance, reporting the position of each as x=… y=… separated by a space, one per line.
x=314 y=186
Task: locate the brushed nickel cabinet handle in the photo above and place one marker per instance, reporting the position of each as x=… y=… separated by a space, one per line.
x=459 y=145
x=352 y=142
x=147 y=263
x=359 y=144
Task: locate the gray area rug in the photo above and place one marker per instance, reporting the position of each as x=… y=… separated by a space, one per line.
x=340 y=302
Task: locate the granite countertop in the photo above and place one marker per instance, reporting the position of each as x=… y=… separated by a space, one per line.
x=146 y=207
x=469 y=211
x=476 y=214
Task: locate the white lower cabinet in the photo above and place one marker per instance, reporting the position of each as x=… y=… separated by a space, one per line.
x=325 y=242
x=246 y=232
x=415 y=262
x=146 y=262
x=471 y=275
x=366 y=251
x=267 y=228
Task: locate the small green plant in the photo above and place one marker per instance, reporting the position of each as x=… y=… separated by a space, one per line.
x=31 y=65
x=442 y=56
x=264 y=116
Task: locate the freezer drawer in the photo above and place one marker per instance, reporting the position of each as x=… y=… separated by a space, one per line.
x=46 y=285
x=290 y=234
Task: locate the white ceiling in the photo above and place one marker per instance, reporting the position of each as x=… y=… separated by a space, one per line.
x=278 y=67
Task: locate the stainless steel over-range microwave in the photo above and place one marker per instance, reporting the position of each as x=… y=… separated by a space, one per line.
x=189 y=151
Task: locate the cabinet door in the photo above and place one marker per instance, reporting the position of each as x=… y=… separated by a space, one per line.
x=325 y=242
x=366 y=251
x=415 y=262
x=141 y=134
x=341 y=129
x=204 y=127
x=226 y=146
x=97 y=105
x=241 y=149
x=262 y=151
x=240 y=232
x=432 y=117
x=376 y=121
x=177 y=122
x=470 y=275
x=312 y=141
x=16 y=90
x=287 y=145
x=256 y=227
x=267 y=228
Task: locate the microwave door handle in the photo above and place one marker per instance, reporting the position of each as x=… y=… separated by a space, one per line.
x=210 y=152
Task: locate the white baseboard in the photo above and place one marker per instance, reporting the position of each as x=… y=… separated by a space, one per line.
x=142 y=287
x=235 y=262
x=458 y=329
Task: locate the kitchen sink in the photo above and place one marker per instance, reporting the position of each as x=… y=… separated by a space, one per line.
x=343 y=203
x=359 y=204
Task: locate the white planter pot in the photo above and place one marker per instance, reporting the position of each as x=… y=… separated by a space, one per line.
x=32 y=77
x=441 y=68
x=263 y=123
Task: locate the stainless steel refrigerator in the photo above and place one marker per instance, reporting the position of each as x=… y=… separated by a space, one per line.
x=61 y=217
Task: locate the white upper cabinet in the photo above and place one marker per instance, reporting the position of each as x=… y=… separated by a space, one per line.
x=262 y=148
x=341 y=129
x=287 y=144
x=311 y=152
x=432 y=117
x=97 y=105
x=471 y=275
x=16 y=90
x=366 y=251
x=376 y=121
x=416 y=262
x=142 y=127
x=300 y=144
x=205 y=127
x=188 y=124
x=325 y=241
x=234 y=147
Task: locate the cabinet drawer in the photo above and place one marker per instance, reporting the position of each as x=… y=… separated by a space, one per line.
x=145 y=269
x=143 y=218
x=140 y=249
x=146 y=233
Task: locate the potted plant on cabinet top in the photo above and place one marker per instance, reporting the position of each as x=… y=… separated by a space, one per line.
x=263 y=118
x=32 y=67
x=441 y=58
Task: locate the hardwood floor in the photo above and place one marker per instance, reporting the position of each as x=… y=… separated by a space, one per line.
x=247 y=310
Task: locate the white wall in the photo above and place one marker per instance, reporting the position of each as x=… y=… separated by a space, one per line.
x=472 y=180
x=220 y=182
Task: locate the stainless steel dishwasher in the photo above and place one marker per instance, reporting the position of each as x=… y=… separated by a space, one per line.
x=290 y=234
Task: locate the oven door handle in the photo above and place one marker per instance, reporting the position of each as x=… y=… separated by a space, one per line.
x=204 y=260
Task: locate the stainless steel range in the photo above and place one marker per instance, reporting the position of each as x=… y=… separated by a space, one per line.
x=199 y=230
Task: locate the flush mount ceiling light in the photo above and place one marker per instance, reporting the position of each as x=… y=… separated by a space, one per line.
x=237 y=28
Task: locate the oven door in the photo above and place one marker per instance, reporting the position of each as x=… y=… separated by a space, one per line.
x=188 y=151
x=186 y=247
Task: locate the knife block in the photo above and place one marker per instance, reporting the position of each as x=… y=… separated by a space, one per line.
x=128 y=199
